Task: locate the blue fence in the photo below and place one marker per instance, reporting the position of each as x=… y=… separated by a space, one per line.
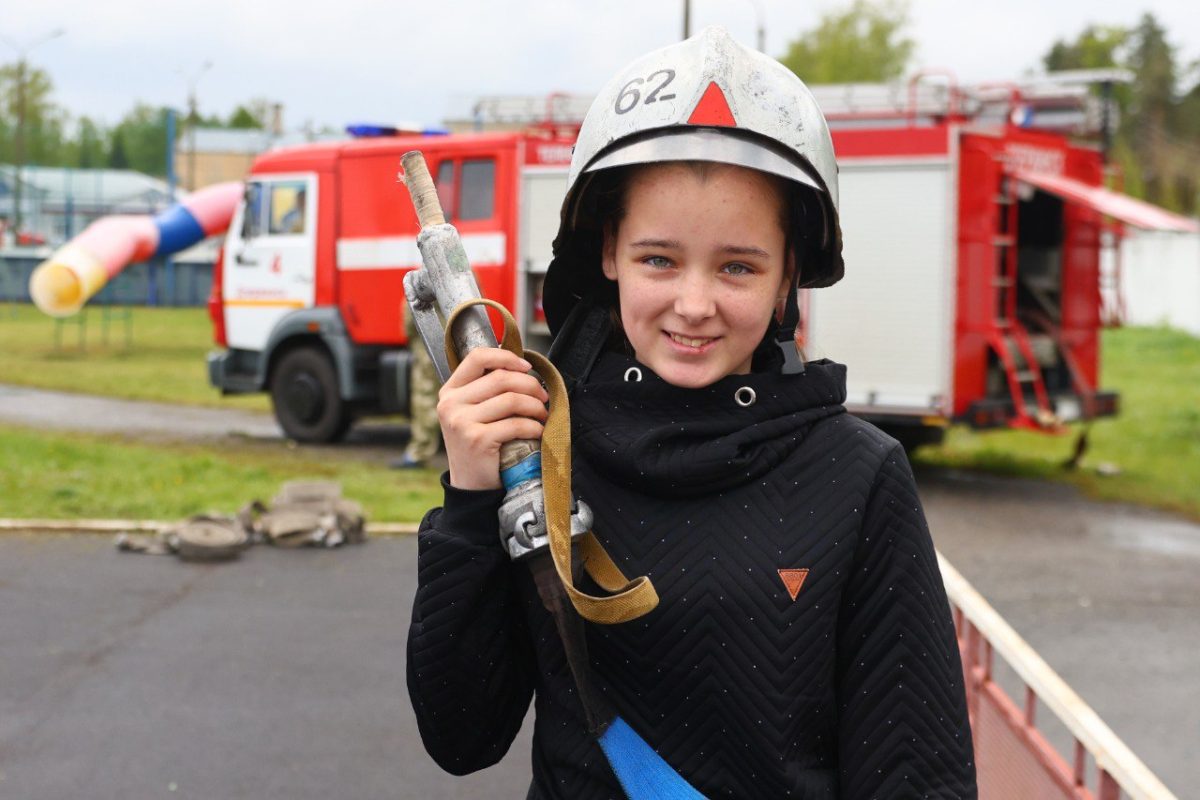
x=151 y=283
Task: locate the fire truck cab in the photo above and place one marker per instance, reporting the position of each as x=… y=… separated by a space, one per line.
x=307 y=296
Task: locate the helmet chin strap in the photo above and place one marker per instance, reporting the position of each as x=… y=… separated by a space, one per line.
x=785 y=334
x=580 y=340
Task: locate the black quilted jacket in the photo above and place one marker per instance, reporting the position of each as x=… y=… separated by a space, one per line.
x=803 y=645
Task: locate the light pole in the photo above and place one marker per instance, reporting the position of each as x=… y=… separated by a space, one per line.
x=19 y=140
x=192 y=118
x=761 y=32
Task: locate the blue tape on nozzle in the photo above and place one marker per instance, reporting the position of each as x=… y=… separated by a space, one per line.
x=526 y=469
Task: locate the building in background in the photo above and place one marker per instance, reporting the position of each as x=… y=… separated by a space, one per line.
x=205 y=156
x=1157 y=280
x=219 y=154
x=59 y=202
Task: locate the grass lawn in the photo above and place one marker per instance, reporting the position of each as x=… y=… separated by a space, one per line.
x=1155 y=440
x=164 y=361
x=54 y=475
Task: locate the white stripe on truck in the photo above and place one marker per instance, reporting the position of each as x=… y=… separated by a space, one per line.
x=400 y=252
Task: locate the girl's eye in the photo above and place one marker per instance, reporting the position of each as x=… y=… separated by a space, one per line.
x=737 y=269
x=658 y=262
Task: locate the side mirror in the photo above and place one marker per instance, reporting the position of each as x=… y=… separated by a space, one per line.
x=250 y=203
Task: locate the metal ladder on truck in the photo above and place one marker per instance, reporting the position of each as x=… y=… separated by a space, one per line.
x=1007 y=336
x=1079 y=385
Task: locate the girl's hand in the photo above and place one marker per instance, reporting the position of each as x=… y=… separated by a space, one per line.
x=489 y=400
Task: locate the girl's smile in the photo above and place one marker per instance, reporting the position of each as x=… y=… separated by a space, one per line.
x=700 y=264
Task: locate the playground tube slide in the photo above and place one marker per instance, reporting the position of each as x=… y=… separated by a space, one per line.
x=64 y=282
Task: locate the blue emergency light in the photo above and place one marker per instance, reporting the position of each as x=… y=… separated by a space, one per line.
x=368 y=130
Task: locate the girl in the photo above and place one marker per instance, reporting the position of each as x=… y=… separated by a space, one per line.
x=802 y=646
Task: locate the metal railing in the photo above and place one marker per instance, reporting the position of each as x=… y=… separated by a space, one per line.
x=1013 y=758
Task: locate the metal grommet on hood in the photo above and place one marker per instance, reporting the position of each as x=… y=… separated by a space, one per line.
x=633 y=375
x=745 y=397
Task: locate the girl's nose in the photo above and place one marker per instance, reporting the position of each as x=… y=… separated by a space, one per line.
x=694 y=302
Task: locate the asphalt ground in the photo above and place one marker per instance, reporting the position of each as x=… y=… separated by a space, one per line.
x=1107 y=594
x=281 y=675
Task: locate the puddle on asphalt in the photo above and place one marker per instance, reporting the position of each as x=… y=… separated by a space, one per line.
x=1160 y=536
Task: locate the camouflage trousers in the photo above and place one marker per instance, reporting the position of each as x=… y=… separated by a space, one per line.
x=423 y=396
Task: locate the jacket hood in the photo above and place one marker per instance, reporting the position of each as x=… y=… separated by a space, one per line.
x=674 y=442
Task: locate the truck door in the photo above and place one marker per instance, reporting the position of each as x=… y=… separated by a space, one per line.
x=270 y=257
x=475 y=187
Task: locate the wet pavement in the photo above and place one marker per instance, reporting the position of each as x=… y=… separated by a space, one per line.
x=1106 y=593
x=40 y=408
x=282 y=674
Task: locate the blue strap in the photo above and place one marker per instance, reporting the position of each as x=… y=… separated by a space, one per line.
x=642 y=772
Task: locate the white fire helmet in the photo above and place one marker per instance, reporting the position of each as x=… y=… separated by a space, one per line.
x=704 y=99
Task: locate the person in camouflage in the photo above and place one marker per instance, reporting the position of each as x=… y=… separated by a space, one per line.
x=423 y=395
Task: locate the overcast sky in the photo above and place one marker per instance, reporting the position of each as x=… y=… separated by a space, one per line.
x=363 y=60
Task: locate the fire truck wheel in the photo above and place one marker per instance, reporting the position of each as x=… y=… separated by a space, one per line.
x=304 y=392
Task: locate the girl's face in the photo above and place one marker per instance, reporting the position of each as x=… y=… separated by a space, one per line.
x=700 y=264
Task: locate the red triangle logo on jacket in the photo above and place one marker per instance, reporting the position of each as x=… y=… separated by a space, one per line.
x=713 y=109
x=793 y=579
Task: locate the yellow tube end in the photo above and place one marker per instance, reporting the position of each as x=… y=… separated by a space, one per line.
x=56 y=289
x=63 y=283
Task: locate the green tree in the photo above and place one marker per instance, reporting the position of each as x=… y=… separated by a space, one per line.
x=258 y=112
x=143 y=136
x=1102 y=47
x=1187 y=115
x=89 y=144
x=46 y=140
x=1097 y=47
x=43 y=135
x=243 y=119
x=117 y=157
x=32 y=126
x=1166 y=163
x=1155 y=142
x=1152 y=59
x=866 y=42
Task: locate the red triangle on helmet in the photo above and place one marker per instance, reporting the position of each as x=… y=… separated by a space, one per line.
x=713 y=109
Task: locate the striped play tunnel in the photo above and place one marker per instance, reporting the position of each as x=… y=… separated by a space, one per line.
x=64 y=282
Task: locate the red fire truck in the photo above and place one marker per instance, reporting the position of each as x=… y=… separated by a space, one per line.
x=973 y=224
x=307 y=293
x=973 y=228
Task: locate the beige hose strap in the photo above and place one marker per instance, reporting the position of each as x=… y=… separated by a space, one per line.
x=512 y=337
x=630 y=599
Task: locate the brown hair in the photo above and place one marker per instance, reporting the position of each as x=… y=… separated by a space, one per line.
x=610 y=187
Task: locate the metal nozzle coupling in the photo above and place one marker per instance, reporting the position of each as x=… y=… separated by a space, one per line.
x=523 y=520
